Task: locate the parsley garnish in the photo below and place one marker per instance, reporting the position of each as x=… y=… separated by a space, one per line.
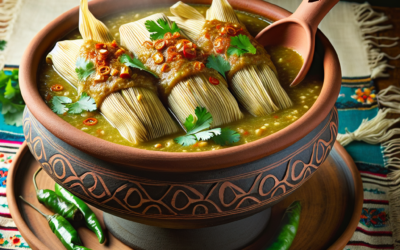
x=84 y=68
x=218 y=63
x=158 y=31
x=62 y=104
x=11 y=99
x=134 y=63
x=239 y=45
x=199 y=130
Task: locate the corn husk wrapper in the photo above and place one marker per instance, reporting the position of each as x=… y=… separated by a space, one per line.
x=136 y=112
x=191 y=92
x=256 y=87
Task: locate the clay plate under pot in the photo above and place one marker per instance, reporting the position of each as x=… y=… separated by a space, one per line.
x=178 y=190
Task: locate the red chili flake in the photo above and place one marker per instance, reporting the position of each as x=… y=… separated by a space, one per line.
x=90 y=121
x=207 y=35
x=99 y=45
x=56 y=87
x=276 y=117
x=218 y=26
x=114 y=44
x=213 y=81
x=246 y=133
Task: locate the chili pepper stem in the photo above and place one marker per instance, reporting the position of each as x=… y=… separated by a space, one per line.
x=37 y=209
x=34 y=178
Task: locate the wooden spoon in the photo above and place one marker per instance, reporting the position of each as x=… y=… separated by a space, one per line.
x=298 y=31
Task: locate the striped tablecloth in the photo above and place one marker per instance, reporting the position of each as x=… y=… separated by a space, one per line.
x=348 y=26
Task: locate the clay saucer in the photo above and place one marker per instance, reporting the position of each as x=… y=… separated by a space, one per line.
x=332 y=201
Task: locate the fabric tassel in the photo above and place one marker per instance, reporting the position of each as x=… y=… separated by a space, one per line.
x=373 y=131
x=369 y=22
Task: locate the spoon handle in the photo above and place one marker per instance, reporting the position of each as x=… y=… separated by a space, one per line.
x=313 y=11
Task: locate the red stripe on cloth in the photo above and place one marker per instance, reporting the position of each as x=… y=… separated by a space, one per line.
x=5 y=215
x=364 y=244
x=371 y=173
x=11 y=142
x=377 y=202
x=374 y=233
x=9 y=229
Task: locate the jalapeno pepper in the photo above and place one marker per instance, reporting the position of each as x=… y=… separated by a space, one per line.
x=287 y=228
x=55 y=203
x=64 y=231
x=90 y=218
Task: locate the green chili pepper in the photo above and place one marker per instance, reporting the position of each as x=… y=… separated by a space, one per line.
x=64 y=231
x=55 y=203
x=288 y=228
x=90 y=218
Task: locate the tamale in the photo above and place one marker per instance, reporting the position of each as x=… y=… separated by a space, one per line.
x=253 y=78
x=131 y=103
x=186 y=84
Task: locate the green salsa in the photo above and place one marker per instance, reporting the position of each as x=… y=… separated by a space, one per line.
x=286 y=61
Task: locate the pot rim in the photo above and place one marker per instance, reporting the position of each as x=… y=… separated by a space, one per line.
x=142 y=159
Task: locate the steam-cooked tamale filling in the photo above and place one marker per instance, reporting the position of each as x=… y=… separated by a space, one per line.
x=175 y=58
x=215 y=38
x=111 y=75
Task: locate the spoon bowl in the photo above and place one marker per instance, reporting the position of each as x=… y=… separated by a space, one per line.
x=297 y=32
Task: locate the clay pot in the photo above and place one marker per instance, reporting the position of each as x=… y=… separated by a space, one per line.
x=178 y=190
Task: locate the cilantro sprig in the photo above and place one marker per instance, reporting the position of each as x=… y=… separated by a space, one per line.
x=219 y=64
x=199 y=130
x=12 y=104
x=240 y=44
x=159 y=29
x=135 y=63
x=62 y=104
x=84 y=68
x=2 y=45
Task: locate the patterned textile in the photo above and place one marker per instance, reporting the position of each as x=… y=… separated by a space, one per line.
x=347 y=26
x=357 y=101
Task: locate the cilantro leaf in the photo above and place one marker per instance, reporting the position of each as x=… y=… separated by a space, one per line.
x=189 y=122
x=226 y=137
x=10 y=91
x=2 y=45
x=134 y=63
x=85 y=102
x=12 y=104
x=204 y=120
x=186 y=140
x=241 y=44
x=13 y=119
x=84 y=68
x=158 y=31
x=58 y=104
x=218 y=63
x=207 y=134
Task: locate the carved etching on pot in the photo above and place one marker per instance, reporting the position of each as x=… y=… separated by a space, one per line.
x=195 y=200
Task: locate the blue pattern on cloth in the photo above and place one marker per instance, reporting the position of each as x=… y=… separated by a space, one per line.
x=356 y=102
x=8 y=132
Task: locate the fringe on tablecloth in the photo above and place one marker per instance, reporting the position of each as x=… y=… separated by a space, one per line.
x=9 y=10
x=381 y=129
x=368 y=21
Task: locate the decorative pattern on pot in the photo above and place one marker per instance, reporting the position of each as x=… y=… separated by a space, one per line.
x=202 y=199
